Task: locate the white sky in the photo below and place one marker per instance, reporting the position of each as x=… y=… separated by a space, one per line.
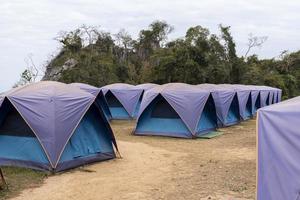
x=30 y=26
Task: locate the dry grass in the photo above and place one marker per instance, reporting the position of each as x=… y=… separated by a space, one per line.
x=19 y=179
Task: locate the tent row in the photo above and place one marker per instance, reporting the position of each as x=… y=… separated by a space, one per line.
x=189 y=111
x=55 y=126
x=124 y=100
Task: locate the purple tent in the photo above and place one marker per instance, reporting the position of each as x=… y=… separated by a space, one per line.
x=276 y=92
x=97 y=93
x=271 y=97
x=275 y=96
x=52 y=126
x=279 y=96
x=271 y=94
x=263 y=96
x=176 y=109
x=124 y=99
x=226 y=101
x=244 y=99
x=278 y=169
x=255 y=98
x=88 y=88
x=264 y=93
x=146 y=86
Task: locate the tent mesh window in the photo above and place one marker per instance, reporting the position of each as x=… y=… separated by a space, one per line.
x=162 y=109
x=112 y=100
x=12 y=123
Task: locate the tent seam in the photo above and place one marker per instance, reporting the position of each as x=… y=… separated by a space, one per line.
x=198 y=120
x=73 y=131
x=179 y=116
x=120 y=102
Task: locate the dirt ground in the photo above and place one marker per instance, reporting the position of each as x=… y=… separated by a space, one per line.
x=163 y=168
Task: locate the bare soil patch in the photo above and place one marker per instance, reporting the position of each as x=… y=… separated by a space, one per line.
x=163 y=168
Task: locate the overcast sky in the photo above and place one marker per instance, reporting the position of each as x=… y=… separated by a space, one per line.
x=30 y=26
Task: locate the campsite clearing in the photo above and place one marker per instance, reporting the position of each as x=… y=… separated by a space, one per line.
x=163 y=168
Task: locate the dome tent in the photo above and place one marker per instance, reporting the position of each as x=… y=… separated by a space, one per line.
x=255 y=98
x=144 y=87
x=177 y=110
x=260 y=96
x=276 y=92
x=264 y=93
x=124 y=99
x=97 y=93
x=244 y=99
x=275 y=96
x=52 y=126
x=226 y=101
x=278 y=136
x=279 y=95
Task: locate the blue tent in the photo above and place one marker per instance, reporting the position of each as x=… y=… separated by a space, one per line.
x=144 y=87
x=100 y=99
x=227 y=104
x=265 y=95
x=244 y=99
x=276 y=95
x=52 y=126
x=177 y=110
x=124 y=99
x=255 y=99
x=259 y=96
x=250 y=96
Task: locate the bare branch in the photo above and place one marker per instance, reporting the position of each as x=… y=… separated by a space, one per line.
x=255 y=41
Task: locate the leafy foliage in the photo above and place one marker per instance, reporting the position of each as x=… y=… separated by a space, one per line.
x=198 y=57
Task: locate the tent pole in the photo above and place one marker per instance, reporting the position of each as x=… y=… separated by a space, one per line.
x=119 y=154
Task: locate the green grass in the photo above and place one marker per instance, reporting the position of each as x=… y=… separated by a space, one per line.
x=211 y=135
x=19 y=179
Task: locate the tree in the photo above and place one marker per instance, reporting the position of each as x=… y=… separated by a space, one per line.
x=30 y=74
x=152 y=38
x=71 y=41
x=255 y=41
x=198 y=57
